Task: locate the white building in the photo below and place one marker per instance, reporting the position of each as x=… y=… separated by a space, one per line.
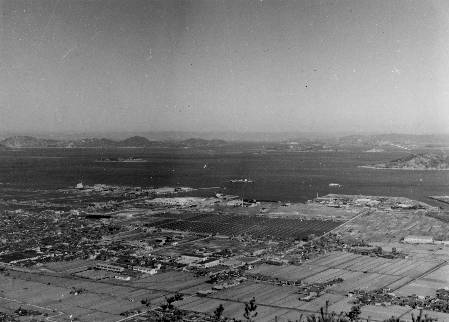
x=111 y=268
x=211 y=262
x=145 y=270
x=412 y=239
x=189 y=260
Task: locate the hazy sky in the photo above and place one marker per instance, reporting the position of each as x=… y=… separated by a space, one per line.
x=224 y=65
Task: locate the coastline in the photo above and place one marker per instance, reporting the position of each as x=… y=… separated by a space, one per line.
x=125 y=161
x=408 y=169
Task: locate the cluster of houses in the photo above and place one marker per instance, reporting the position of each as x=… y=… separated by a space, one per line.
x=415 y=239
x=126 y=273
x=385 y=297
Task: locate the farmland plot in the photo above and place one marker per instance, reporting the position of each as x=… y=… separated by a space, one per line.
x=239 y=293
x=293 y=316
x=289 y=301
x=381 y=313
x=169 y=281
x=325 y=276
x=442 y=317
x=316 y=304
x=288 y=272
x=441 y=275
x=98 y=316
x=333 y=259
x=272 y=292
x=422 y=286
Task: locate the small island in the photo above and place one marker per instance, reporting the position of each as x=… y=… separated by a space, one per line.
x=130 y=159
x=375 y=150
x=422 y=161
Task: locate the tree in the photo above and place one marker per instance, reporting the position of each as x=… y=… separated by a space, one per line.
x=325 y=316
x=250 y=310
x=218 y=312
x=170 y=312
x=146 y=302
x=354 y=314
x=421 y=318
x=168 y=306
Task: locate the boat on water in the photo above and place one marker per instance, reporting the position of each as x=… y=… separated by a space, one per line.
x=335 y=185
x=134 y=160
x=130 y=159
x=242 y=180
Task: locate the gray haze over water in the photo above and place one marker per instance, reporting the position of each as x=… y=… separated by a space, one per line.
x=224 y=65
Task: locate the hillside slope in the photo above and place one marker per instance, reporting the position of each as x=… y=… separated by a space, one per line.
x=423 y=161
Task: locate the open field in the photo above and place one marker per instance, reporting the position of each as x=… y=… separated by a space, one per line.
x=428 y=284
x=442 y=317
x=94 y=274
x=403 y=276
x=99 y=301
x=235 y=308
x=311 y=211
x=288 y=272
x=357 y=271
x=391 y=226
x=266 y=294
x=381 y=313
x=68 y=266
x=168 y=281
x=104 y=301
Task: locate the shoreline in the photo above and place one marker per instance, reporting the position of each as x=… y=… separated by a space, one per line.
x=408 y=169
x=124 y=161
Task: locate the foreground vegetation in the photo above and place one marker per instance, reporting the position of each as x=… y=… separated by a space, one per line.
x=169 y=312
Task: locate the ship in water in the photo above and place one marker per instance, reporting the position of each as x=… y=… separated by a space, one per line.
x=129 y=159
x=245 y=180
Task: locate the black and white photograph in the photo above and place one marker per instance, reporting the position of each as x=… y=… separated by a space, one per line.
x=224 y=160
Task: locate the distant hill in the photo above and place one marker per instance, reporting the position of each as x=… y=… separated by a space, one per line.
x=423 y=161
x=386 y=139
x=134 y=141
x=93 y=143
x=28 y=142
x=374 y=150
x=201 y=142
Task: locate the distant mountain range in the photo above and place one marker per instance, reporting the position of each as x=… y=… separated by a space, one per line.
x=27 y=141
x=135 y=141
x=423 y=161
x=164 y=136
x=385 y=139
x=372 y=143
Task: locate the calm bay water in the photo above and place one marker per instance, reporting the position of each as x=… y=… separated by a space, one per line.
x=276 y=176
